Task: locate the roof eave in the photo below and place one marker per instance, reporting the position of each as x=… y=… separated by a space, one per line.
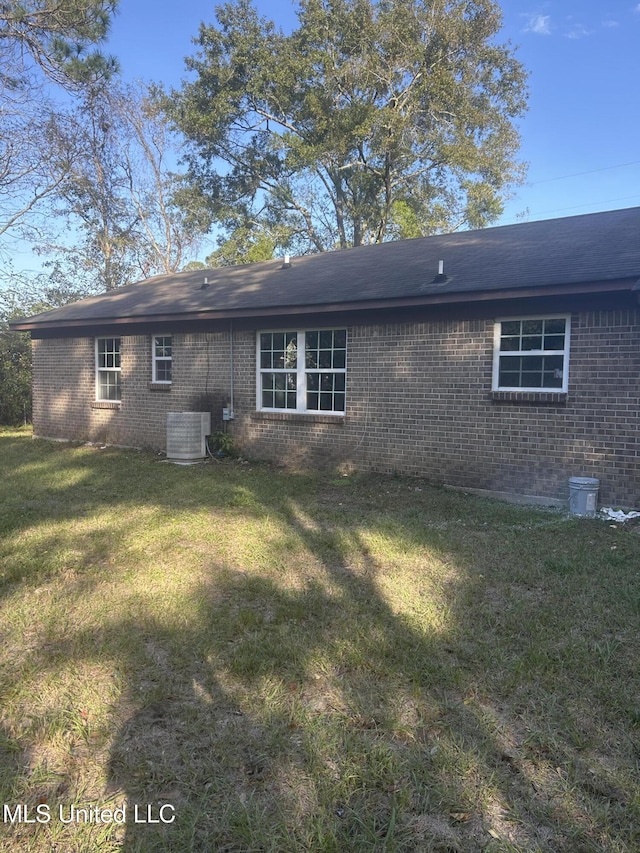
x=424 y=300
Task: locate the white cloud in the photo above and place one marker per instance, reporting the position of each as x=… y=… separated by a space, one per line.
x=579 y=31
x=539 y=24
x=611 y=23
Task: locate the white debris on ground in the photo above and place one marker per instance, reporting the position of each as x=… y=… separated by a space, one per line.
x=618 y=514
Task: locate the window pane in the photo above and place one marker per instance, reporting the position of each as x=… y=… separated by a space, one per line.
x=108 y=385
x=312 y=343
x=267 y=381
x=278 y=391
x=531 y=380
x=554 y=362
x=510 y=344
x=331 y=397
x=291 y=359
x=531 y=342
x=511 y=327
x=532 y=327
x=555 y=326
x=162 y=346
x=509 y=379
x=325 y=353
x=531 y=371
x=554 y=342
x=163 y=371
x=109 y=349
x=326 y=382
x=552 y=379
x=531 y=362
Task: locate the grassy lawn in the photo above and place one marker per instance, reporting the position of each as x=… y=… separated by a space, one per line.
x=308 y=662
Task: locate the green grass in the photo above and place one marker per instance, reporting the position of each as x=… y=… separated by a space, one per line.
x=302 y=662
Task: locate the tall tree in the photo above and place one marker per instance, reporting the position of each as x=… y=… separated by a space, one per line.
x=373 y=120
x=33 y=163
x=56 y=36
x=42 y=41
x=118 y=200
x=22 y=297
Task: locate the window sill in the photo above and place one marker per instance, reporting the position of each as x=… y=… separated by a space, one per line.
x=106 y=404
x=299 y=417
x=160 y=386
x=549 y=398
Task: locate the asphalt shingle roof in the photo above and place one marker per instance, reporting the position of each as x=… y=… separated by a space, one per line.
x=599 y=247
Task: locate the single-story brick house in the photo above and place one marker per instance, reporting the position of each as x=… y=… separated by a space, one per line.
x=505 y=359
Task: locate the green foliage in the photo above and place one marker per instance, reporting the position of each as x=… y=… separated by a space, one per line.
x=248 y=246
x=222 y=444
x=15 y=377
x=22 y=299
x=371 y=121
x=56 y=36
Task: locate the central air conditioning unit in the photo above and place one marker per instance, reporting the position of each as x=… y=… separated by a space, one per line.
x=187 y=435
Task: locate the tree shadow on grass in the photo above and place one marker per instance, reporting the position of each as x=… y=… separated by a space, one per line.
x=306 y=703
x=314 y=716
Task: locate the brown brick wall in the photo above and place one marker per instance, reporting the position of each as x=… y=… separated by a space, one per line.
x=419 y=401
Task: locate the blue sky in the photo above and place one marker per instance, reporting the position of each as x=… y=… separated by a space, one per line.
x=580 y=136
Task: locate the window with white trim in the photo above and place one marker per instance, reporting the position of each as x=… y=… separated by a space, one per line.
x=302 y=371
x=108 y=369
x=162 y=359
x=531 y=354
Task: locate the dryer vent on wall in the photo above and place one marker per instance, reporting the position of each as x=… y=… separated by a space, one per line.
x=187 y=435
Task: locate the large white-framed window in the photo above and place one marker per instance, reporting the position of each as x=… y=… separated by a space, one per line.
x=302 y=371
x=108 y=369
x=162 y=359
x=531 y=353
